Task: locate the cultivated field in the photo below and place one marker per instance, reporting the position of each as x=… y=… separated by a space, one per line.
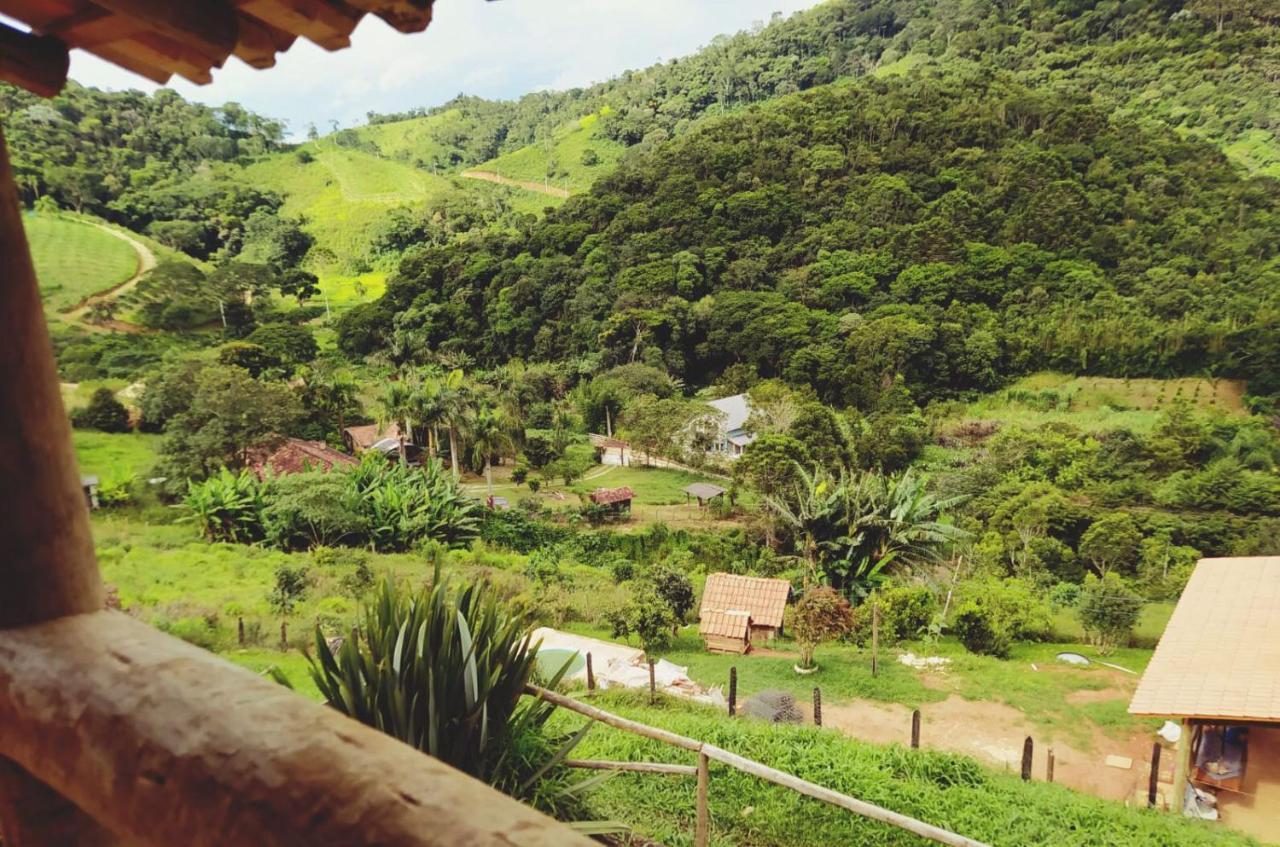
x=75 y=259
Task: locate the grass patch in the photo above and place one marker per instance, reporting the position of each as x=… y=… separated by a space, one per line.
x=75 y=259
x=1151 y=624
x=115 y=455
x=951 y=791
x=558 y=161
x=292 y=664
x=653 y=486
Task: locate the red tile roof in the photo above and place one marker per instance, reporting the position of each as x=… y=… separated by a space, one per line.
x=366 y=435
x=294 y=455
x=606 y=496
x=764 y=599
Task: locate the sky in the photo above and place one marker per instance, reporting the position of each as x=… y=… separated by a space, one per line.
x=493 y=49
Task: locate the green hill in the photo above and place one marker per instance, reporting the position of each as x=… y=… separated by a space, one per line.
x=570 y=157
x=75 y=259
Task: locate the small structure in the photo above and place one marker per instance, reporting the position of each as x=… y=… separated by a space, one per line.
x=613 y=451
x=726 y=632
x=703 y=492
x=733 y=436
x=616 y=500
x=360 y=438
x=763 y=601
x=294 y=455
x=1216 y=672
x=89 y=484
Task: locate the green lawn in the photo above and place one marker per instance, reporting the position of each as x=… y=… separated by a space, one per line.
x=75 y=259
x=1151 y=624
x=653 y=486
x=114 y=456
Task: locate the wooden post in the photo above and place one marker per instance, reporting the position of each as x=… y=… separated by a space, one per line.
x=1048 y=767
x=1027 y=749
x=1153 y=782
x=1181 y=769
x=817 y=706
x=653 y=688
x=591 y=674
x=875 y=634
x=284 y=635
x=48 y=570
x=733 y=691
x=240 y=630
x=702 y=827
x=915 y=729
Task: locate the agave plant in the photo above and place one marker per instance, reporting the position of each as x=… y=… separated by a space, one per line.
x=444 y=670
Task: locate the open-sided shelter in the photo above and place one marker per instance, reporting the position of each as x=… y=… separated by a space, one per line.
x=763 y=601
x=112 y=732
x=1216 y=672
x=703 y=492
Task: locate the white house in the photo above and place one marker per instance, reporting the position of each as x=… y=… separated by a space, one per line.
x=733 y=435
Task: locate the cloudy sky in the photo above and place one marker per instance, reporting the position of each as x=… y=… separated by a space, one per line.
x=494 y=49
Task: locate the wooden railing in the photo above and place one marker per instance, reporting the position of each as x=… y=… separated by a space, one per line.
x=708 y=753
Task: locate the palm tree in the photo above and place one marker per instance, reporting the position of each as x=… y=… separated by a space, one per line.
x=395 y=405
x=456 y=400
x=334 y=390
x=430 y=410
x=490 y=432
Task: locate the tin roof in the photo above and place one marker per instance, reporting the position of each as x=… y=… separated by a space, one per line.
x=703 y=490
x=764 y=599
x=726 y=624
x=1219 y=656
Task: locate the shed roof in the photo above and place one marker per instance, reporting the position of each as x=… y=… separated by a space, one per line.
x=1219 y=656
x=159 y=38
x=294 y=455
x=366 y=435
x=764 y=599
x=703 y=490
x=725 y=624
x=605 y=496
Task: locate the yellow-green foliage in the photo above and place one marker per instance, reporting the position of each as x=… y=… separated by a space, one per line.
x=115 y=456
x=75 y=259
x=557 y=161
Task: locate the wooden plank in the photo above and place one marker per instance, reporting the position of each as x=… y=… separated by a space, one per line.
x=702 y=824
x=37 y=63
x=208 y=27
x=327 y=24
x=166 y=744
x=406 y=16
x=635 y=767
x=610 y=719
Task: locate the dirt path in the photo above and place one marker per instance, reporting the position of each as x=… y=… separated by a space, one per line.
x=993 y=733
x=146 y=261
x=527 y=185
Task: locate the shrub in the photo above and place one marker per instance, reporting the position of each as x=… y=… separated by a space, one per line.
x=313 y=509
x=996 y=612
x=290 y=588
x=227 y=506
x=519 y=474
x=820 y=615
x=646 y=616
x=905 y=612
x=1108 y=610
x=675 y=589
x=104 y=413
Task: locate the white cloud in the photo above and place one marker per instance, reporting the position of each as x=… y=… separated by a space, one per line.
x=492 y=49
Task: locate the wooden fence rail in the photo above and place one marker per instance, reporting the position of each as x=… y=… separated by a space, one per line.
x=709 y=752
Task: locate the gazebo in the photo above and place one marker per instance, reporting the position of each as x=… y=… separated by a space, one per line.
x=1216 y=672
x=112 y=732
x=703 y=492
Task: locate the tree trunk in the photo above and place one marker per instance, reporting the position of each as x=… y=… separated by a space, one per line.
x=453 y=452
x=488 y=479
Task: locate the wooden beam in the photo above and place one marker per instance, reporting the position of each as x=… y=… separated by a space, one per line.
x=632 y=767
x=259 y=42
x=166 y=744
x=328 y=23
x=33 y=815
x=403 y=15
x=34 y=62
x=125 y=55
x=209 y=27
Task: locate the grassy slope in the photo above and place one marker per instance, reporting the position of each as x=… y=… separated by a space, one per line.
x=416 y=140
x=115 y=456
x=564 y=152
x=653 y=486
x=1098 y=403
x=946 y=790
x=75 y=259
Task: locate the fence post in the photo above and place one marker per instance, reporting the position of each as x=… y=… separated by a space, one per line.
x=653 y=688
x=284 y=635
x=241 y=630
x=875 y=634
x=1153 y=783
x=915 y=729
x=1048 y=769
x=591 y=676
x=1026 y=758
x=702 y=827
x=817 y=706
x=733 y=691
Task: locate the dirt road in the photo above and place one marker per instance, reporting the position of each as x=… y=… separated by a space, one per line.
x=146 y=261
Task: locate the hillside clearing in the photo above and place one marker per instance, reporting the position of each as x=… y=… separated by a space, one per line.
x=75 y=259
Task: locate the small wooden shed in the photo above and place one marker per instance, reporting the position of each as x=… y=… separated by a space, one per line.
x=616 y=500
x=762 y=600
x=726 y=632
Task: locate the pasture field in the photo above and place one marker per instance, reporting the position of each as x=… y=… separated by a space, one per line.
x=558 y=160
x=115 y=456
x=75 y=259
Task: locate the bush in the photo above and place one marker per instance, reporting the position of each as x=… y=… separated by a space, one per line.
x=646 y=616
x=1108 y=610
x=820 y=615
x=996 y=612
x=905 y=612
x=104 y=413
x=675 y=589
x=290 y=588
x=314 y=509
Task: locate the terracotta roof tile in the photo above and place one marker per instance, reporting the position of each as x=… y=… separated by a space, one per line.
x=605 y=496
x=764 y=599
x=294 y=455
x=1220 y=654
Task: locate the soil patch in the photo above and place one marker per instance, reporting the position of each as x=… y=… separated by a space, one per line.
x=993 y=733
x=1102 y=695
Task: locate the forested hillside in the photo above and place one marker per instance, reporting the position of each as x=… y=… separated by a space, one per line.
x=953 y=229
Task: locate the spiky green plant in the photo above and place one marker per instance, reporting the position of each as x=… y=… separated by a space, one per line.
x=228 y=506
x=444 y=670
